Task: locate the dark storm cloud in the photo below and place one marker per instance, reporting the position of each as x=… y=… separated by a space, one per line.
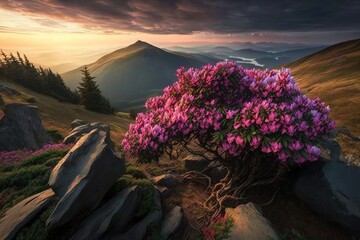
x=187 y=16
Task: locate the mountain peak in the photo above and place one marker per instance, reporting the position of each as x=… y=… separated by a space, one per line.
x=140 y=43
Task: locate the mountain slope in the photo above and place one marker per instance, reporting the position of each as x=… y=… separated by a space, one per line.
x=130 y=75
x=333 y=74
x=57 y=115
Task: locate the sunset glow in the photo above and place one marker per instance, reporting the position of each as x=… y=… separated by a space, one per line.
x=51 y=31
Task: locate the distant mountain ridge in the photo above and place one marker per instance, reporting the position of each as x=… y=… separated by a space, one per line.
x=130 y=75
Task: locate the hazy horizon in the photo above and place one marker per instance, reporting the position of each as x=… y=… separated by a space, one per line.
x=75 y=33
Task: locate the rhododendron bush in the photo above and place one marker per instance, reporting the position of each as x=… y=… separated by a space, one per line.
x=251 y=122
x=231 y=111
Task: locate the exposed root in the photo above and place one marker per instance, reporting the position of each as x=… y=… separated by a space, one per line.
x=232 y=188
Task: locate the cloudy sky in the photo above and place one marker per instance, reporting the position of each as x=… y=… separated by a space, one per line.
x=83 y=26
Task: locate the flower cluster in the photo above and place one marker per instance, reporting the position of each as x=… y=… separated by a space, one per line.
x=218 y=229
x=15 y=157
x=242 y=109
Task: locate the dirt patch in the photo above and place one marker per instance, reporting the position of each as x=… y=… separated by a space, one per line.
x=187 y=195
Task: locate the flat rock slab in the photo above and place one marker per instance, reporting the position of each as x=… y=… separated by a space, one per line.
x=166 y=180
x=250 y=224
x=195 y=163
x=111 y=217
x=17 y=217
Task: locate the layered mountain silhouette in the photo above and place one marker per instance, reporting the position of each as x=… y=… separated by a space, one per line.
x=128 y=76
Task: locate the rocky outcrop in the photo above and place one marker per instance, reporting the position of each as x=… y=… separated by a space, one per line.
x=166 y=180
x=138 y=230
x=195 y=163
x=172 y=222
x=112 y=217
x=331 y=189
x=77 y=123
x=9 y=90
x=83 y=176
x=21 y=128
x=22 y=213
x=81 y=130
x=250 y=224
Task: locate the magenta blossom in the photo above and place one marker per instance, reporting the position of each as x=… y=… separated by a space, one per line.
x=234 y=111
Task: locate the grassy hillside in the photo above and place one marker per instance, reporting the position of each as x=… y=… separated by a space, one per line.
x=333 y=74
x=58 y=115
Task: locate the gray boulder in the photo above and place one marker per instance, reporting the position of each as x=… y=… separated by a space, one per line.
x=112 y=217
x=83 y=176
x=164 y=192
x=21 y=128
x=172 y=222
x=166 y=180
x=81 y=130
x=331 y=189
x=250 y=224
x=138 y=231
x=17 y=217
x=195 y=163
x=77 y=123
x=217 y=174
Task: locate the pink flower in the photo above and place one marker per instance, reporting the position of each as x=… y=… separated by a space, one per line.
x=236 y=125
x=272 y=116
x=275 y=146
x=217 y=126
x=255 y=142
x=300 y=160
x=225 y=146
x=291 y=130
x=283 y=156
x=239 y=140
x=231 y=113
x=286 y=119
x=230 y=137
x=295 y=145
x=246 y=122
x=303 y=126
x=264 y=128
x=313 y=152
x=274 y=127
x=265 y=149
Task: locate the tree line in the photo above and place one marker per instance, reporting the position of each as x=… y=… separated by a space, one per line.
x=22 y=71
x=19 y=69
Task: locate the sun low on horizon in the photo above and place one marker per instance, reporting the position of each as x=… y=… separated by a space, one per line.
x=51 y=31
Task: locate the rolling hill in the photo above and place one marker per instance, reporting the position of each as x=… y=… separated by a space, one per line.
x=57 y=115
x=128 y=76
x=333 y=74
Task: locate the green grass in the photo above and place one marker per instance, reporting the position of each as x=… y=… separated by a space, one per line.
x=26 y=179
x=55 y=135
x=135 y=176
